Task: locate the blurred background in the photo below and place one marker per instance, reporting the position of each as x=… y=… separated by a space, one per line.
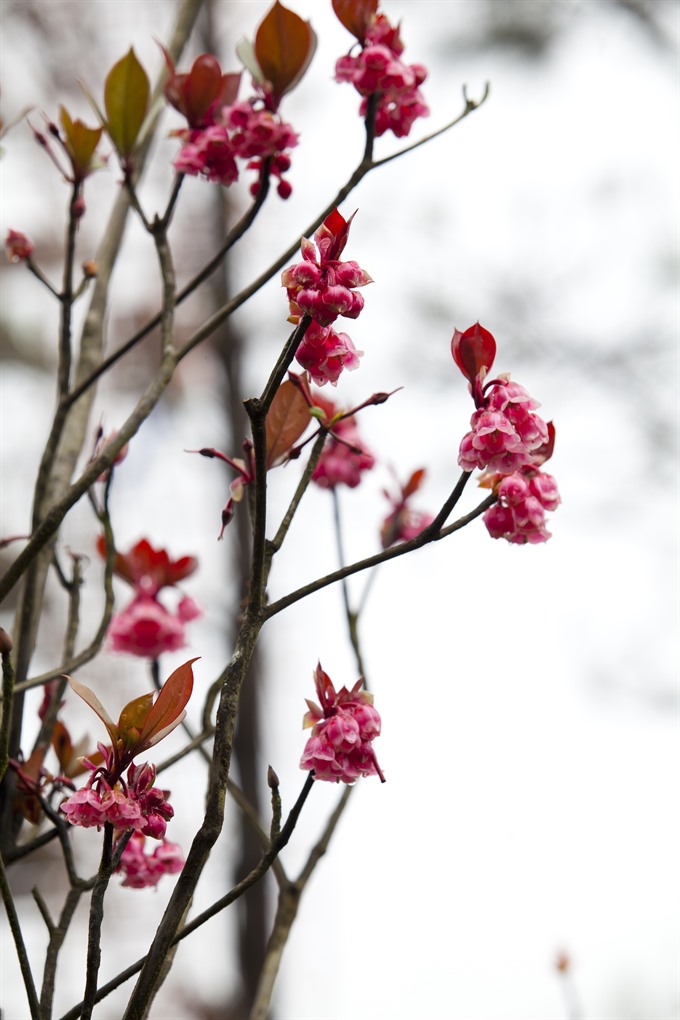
x=529 y=695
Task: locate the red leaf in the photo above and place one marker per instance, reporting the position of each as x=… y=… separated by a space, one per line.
x=284 y=47
x=356 y=15
x=168 y=711
x=287 y=419
x=198 y=93
x=414 y=483
x=62 y=745
x=473 y=351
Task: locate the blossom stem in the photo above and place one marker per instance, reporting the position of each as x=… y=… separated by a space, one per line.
x=424 y=538
x=94 y=951
x=351 y=615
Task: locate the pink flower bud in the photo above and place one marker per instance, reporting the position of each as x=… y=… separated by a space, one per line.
x=19 y=247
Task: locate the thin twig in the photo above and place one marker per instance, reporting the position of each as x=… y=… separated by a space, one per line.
x=18 y=937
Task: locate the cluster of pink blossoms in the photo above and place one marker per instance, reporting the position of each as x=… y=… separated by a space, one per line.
x=134 y=803
x=523 y=498
x=145 y=627
x=379 y=69
x=344 y=457
x=221 y=131
x=325 y=287
x=344 y=727
x=141 y=869
x=508 y=440
x=324 y=354
x=403 y=522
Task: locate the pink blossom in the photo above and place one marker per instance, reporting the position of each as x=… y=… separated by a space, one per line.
x=19 y=247
x=260 y=135
x=505 y=430
x=325 y=353
x=323 y=286
x=344 y=726
x=146 y=628
x=188 y=609
x=84 y=808
x=404 y=523
x=208 y=152
x=523 y=498
x=344 y=457
x=142 y=870
x=378 y=68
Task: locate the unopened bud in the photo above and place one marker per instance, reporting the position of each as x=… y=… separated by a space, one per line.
x=78 y=208
x=272 y=779
x=89 y=268
x=5 y=642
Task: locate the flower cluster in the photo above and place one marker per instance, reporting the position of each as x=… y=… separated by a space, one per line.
x=379 y=69
x=523 y=498
x=344 y=457
x=325 y=353
x=135 y=804
x=344 y=727
x=403 y=522
x=221 y=131
x=323 y=286
x=505 y=431
x=145 y=627
x=141 y=869
x=508 y=440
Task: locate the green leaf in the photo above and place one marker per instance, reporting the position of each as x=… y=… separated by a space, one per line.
x=287 y=419
x=284 y=47
x=81 y=142
x=132 y=719
x=126 y=100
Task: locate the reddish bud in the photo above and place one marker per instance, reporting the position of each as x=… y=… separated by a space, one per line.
x=473 y=351
x=19 y=247
x=5 y=642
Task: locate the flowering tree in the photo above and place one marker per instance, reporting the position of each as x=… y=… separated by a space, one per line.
x=292 y=420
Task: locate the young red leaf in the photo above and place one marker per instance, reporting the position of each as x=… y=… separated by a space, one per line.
x=287 y=419
x=168 y=711
x=356 y=15
x=473 y=351
x=62 y=746
x=414 y=483
x=126 y=100
x=284 y=47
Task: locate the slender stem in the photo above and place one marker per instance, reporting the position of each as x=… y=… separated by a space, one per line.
x=234 y=235
x=225 y=901
x=94 y=949
x=18 y=937
x=351 y=615
x=88 y=653
x=275 y=544
x=58 y=933
x=7 y=696
x=424 y=538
